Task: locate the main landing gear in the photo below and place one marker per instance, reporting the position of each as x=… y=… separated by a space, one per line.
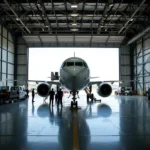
x=90 y=95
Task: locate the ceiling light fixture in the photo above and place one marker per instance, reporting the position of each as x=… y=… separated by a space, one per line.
x=74 y=15
x=74 y=24
x=110 y=3
x=131 y=19
x=38 y=3
x=17 y=19
x=75 y=29
x=74 y=6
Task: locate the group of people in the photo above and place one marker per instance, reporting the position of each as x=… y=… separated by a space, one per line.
x=58 y=97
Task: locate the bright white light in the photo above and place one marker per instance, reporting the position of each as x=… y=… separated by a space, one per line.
x=74 y=29
x=74 y=24
x=17 y=19
x=50 y=59
x=131 y=19
x=110 y=5
x=74 y=15
x=74 y=6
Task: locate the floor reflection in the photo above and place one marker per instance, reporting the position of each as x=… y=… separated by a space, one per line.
x=115 y=124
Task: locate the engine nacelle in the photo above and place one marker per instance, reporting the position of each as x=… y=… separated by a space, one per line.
x=104 y=90
x=43 y=89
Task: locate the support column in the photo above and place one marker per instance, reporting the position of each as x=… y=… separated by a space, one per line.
x=15 y=59
x=143 y=65
x=132 y=47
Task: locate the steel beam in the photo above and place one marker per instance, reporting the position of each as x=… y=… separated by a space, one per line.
x=131 y=16
x=16 y=15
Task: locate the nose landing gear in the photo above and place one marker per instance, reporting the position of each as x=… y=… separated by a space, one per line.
x=74 y=103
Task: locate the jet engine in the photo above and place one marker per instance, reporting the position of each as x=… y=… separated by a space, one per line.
x=104 y=90
x=43 y=89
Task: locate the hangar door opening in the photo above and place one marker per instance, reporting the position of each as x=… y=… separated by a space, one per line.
x=103 y=62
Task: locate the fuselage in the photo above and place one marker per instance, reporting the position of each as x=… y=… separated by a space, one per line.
x=74 y=74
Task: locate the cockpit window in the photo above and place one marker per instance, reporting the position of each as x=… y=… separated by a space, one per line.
x=64 y=64
x=84 y=64
x=69 y=64
x=78 y=64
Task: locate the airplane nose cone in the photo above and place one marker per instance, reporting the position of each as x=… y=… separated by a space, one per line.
x=73 y=72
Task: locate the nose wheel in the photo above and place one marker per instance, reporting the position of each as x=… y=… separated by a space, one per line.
x=74 y=103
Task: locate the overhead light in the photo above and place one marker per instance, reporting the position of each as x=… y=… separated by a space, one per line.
x=74 y=6
x=74 y=24
x=74 y=15
x=131 y=19
x=75 y=29
x=17 y=19
x=110 y=5
x=38 y=3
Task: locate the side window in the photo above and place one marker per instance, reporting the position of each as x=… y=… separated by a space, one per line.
x=84 y=64
x=64 y=64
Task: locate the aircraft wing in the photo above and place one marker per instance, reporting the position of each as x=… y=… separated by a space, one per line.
x=36 y=81
x=110 y=81
x=50 y=82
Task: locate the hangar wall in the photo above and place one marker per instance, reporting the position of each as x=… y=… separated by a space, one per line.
x=124 y=65
x=142 y=64
x=6 y=56
x=21 y=58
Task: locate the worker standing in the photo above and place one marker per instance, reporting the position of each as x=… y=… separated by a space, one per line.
x=60 y=95
x=33 y=94
x=51 y=97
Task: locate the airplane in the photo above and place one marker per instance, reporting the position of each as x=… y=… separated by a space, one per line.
x=74 y=75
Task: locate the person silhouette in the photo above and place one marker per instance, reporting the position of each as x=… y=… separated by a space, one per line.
x=51 y=97
x=33 y=94
x=60 y=95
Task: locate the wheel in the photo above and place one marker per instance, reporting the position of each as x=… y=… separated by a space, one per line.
x=76 y=103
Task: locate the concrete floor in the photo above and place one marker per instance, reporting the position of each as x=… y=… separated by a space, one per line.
x=118 y=123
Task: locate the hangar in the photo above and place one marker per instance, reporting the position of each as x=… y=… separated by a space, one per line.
x=122 y=24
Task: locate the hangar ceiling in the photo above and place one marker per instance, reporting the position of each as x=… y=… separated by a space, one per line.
x=75 y=21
